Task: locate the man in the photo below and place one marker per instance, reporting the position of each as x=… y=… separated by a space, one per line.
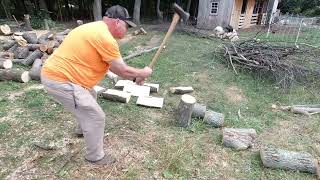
x=80 y=62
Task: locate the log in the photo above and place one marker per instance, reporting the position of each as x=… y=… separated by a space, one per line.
x=181 y=90
x=214 y=119
x=35 y=70
x=60 y=38
x=17 y=60
x=289 y=160
x=14 y=75
x=13 y=48
x=51 y=45
x=44 y=57
x=136 y=54
x=43 y=47
x=5 y=63
x=32 y=57
x=199 y=111
x=33 y=47
x=154 y=88
x=31 y=38
x=27 y=22
x=185 y=108
x=116 y=95
x=43 y=39
x=65 y=32
x=99 y=89
x=6 y=55
x=239 y=139
x=8 y=44
x=5 y=30
x=21 y=52
x=120 y=83
x=150 y=101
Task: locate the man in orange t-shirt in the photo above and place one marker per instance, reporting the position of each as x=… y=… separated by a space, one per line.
x=81 y=61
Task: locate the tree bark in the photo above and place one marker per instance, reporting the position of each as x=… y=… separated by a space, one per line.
x=14 y=75
x=214 y=119
x=30 y=37
x=5 y=63
x=188 y=6
x=185 y=108
x=289 y=160
x=8 y=44
x=13 y=48
x=27 y=22
x=136 y=11
x=239 y=139
x=199 y=111
x=32 y=57
x=97 y=10
x=159 y=13
x=21 y=52
x=35 y=71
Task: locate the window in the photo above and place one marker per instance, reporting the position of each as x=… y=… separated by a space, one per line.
x=214 y=8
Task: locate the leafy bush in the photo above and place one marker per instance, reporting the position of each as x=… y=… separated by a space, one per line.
x=37 y=20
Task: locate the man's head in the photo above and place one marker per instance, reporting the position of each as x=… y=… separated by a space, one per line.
x=118 y=20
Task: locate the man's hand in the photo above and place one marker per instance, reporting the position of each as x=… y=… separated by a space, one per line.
x=147 y=72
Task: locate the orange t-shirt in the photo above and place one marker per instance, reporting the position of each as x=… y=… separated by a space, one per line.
x=83 y=57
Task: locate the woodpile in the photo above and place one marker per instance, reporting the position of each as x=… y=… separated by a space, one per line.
x=27 y=49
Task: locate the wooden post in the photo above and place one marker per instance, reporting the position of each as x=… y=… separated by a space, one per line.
x=214 y=119
x=289 y=160
x=185 y=108
x=239 y=139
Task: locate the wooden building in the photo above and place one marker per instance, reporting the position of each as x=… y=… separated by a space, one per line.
x=237 y=13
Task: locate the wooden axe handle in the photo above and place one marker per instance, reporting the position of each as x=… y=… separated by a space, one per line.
x=174 y=22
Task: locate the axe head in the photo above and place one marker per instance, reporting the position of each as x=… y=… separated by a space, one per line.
x=183 y=15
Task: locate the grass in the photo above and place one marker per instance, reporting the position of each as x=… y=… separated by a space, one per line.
x=146 y=141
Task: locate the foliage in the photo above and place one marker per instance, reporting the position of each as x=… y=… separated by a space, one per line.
x=306 y=7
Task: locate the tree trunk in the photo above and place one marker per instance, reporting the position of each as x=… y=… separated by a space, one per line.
x=67 y=9
x=5 y=63
x=188 y=6
x=199 y=111
x=184 y=111
x=136 y=11
x=21 y=52
x=27 y=22
x=35 y=71
x=214 y=119
x=97 y=10
x=31 y=38
x=289 y=160
x=14 y=75
x=32 y=57
x=239 y=139
x=159 y=13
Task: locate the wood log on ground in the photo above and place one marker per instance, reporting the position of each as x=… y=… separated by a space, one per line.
x=43 y=39
x=120 y=83
x=184 y=111
x=32 y=57
x=17 y=60
x=298 y=109
x=150 y=101
x=43 y=47
x=27 y=22
x=33 y=47
x=14 y=75
x=52 y=36
x=8 y=44
x=214 y=119
x=51 y=45
x=21 y=52
x=289 y=160
x=6 y=55
x=31 y=38
x=181 y=90
x=5 y=63
x=5 y=30
x=35 y=70
x=44 y=57
x=139 y=53
x=116 y=95
x=199 y=111
x=13 y=48
x=154 y=88
x=65 y=32
x=239 y=139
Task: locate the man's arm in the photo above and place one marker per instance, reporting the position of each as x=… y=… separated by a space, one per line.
x=120 y=68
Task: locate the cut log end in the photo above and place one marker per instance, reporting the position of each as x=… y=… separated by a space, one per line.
x=25 y=77
x=188 y=99
x=5 y=63
x=5 y=29
x=184 y=111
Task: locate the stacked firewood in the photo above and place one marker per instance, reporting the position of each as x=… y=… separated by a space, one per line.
x=28 y=50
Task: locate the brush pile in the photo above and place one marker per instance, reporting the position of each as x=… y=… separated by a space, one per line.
x=284 y=65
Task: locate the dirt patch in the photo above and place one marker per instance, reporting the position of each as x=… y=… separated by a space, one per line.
x=13 y=95
x=235 y=94
x=154 y=41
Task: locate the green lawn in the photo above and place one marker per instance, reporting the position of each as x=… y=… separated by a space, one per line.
x=147 y=142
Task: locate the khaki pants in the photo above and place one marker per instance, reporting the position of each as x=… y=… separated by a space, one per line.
x=89 y=115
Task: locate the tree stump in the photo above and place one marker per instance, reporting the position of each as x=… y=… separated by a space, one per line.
x=14 y=75
x=21 y=52
x=35 y=70
x=199 y=111
x=185 y=108
x=5 y=63
x=5 y=30
x=289 y=160
x=214 y=119
x=32 y=57
x=31 y=38
x=27 y=22
x=239 y=139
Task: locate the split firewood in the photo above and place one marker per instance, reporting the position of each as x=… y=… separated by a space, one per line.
x=5 y=63
x=35 y=71
x=99 y=89
x=184 y=111
x=289 y=160
x=199 y=111
x=137 y=90
x=154 y=88
x=21 y=52
x=18 y=33
x=139 y=53
x=239 y=139
x=6 y=55
x=31 y=38
x=8 y=44
x=181 y=90
x=214 y=119
x=27 y=22
x=116 y=95
x=149 y=101
x=32 y=57
x=120 y=83
x=5 y=30
x=14 y=75
x=115 y=78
